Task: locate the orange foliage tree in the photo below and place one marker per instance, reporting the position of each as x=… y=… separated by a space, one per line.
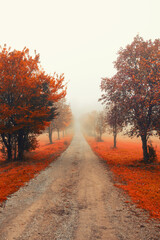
x=136 y=89
x=27 y=95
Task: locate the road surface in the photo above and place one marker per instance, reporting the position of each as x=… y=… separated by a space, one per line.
x=74 y=199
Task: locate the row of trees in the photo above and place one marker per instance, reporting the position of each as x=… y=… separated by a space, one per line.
x=62 y=120
x=132 y=96
x=94 y=124
x=27 y=98
x=97 y=123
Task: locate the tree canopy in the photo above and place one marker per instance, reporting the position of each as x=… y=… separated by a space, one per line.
x=135 y=88
x=27 y=95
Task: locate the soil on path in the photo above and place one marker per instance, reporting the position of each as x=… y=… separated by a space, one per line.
x=74 y=199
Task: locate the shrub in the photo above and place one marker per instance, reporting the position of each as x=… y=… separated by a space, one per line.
x=152 y=153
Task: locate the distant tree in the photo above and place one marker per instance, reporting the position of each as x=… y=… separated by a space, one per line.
x=66 y=116
x=62 y=119
x=100 y=125
x=88 y=123
x=114 y=122
x=50 y=132
x=27 y=95
x=114 y=111
x=93 y=124
x=136 y=89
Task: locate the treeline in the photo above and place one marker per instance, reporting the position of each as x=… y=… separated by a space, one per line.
x=97 y=123
x=132 y=96
x=94 y=124
x=63 y=119
x=27 y=100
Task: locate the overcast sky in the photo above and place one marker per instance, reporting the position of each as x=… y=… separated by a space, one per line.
x=79 y=38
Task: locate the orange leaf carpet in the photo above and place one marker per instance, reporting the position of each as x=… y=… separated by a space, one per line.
x=140 y=181
x=16 y=174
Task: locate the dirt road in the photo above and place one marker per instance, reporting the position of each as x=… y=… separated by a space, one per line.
x=74 y=199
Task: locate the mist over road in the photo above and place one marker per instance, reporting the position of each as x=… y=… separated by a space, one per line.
x=74 y=199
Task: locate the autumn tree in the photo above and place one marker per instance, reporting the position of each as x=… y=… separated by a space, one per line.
x=136 y=88
x=114 y=111
x=27 y=95
x=62 y=119
x=100 y=125
x=93 y=124
x=114 y=122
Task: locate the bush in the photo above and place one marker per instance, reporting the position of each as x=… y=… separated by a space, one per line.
x=65 y=142
x=152 y=153
x=98 y=139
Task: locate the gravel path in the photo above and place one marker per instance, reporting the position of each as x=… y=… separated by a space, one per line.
x=74 y=199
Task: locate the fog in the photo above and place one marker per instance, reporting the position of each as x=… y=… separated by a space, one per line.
x=78 y=38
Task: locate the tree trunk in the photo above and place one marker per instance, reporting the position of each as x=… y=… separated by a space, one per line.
x=50 y=136
x=115 y=135
x=9 y=153
x=58 y=133
x=115 y=140
x=15 y=150
x=100 y=136
x=20 y=154
x=20 y=146
x=7 y=142
x=144 y=147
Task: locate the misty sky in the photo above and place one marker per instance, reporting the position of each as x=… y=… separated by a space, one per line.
x=79 y=38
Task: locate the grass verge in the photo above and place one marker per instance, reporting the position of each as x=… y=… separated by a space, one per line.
x=140 y=181
x=16 y=174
